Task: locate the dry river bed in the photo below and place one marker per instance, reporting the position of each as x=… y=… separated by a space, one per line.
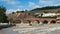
x=37 y=29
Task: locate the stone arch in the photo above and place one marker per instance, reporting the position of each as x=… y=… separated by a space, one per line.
x=29 y=21
x=45 y=22
x=37 y=21
x=53 y=22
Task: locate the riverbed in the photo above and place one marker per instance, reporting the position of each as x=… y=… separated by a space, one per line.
x=38 y=29
x=8 y=31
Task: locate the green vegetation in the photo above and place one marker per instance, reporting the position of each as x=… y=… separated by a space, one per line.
x=47 y=8
x=13 y=12
x=19 y=11
x=3 y=17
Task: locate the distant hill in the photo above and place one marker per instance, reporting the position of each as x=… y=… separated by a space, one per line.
x=47 y=9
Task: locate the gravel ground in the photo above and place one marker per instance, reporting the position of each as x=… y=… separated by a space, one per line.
x=54 y=32
x=38 y=29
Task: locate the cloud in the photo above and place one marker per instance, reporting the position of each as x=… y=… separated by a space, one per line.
x=37 y=6
x=49 y=2
x=46 y=2
x=19 y=6
x=33 y=5
x=12 y=2
x=12 y=10
x=57 y=4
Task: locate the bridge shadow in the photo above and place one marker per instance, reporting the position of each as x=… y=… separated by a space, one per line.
x=45 y=22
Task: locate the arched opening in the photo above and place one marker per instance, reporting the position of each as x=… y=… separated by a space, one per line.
x=45 y=22
x=37 y=21
x=53 y=22
x=29 y=22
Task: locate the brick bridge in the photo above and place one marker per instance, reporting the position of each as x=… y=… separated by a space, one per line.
x=39 y=20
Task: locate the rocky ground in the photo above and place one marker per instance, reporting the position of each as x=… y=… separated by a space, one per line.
x=38 y=29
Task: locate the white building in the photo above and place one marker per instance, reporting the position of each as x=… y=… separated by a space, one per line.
x=48 y=14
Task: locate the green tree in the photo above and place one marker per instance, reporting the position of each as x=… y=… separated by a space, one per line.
x=3 y=17
x=13 y=12
x=17 y=11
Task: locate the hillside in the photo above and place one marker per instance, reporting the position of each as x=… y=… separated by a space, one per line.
x=47 y=9
x=14 y=17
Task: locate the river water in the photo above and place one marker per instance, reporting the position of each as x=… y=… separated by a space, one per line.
x=8 y=31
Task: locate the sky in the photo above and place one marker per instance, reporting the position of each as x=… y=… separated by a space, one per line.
x=14 y=5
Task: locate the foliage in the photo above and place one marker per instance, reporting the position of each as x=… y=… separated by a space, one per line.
x=47 y=7
x=3 y=17
x=13 y=12
x=17 y=11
